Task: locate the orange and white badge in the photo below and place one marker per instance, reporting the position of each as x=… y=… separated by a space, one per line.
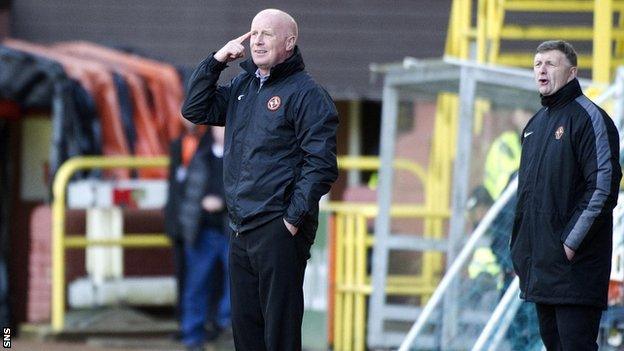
x=274 y=103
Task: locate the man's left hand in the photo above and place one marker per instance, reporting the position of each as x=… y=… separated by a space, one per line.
x=291 y=228
x=212 y=203
x=569 y=252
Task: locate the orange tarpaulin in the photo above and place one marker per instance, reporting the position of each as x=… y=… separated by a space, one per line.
x=98 y=81
x=162 y=80
x=147 y=141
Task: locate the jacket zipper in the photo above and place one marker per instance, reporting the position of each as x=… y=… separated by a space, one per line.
x=252 y=103
x=533 y=185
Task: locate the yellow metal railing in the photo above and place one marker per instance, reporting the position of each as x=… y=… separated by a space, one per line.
x=60 y=242
x=352 y=281
x=492 y=27
x=352 y=241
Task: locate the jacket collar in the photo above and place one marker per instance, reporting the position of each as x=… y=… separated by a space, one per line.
x=567 y=93
x=292 y=65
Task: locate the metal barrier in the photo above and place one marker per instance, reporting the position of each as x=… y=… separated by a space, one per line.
x=490 y=30
x=60 y=243
x=349 y=254
x=352 y=281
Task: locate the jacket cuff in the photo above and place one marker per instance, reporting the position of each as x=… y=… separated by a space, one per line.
x=568 y=243
x=295 y=220
x=213 y=65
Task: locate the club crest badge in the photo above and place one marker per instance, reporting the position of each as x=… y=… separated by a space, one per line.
x=559 y=133
x=274 y=103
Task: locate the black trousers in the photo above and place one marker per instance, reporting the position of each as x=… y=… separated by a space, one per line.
x=569 y=327
x=267 y=265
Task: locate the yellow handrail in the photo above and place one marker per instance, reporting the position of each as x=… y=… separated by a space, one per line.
x=371 y=163
x=60 y=243
x=371 y=210
x=491 y=29
x=352 y=284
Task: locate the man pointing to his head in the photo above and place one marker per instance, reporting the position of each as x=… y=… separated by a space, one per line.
x=279 y=159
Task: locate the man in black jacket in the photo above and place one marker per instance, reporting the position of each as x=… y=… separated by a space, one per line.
x=280 y=158
x=568 y=186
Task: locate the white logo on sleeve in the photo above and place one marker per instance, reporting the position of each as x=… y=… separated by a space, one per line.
x=240 y=97
x=526 y=134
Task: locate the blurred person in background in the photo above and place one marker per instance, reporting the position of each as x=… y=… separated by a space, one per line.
x=196 y=220
x=568 y=186
x=491 y=265
x=280 y=158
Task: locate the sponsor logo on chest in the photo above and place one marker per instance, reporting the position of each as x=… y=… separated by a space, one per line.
x=559 y=133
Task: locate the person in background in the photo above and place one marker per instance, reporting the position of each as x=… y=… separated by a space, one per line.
x=280 y=158
x=195 y=217
x=492 y=264
x=567 y=188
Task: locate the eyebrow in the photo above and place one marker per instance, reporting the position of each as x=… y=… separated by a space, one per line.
x=545 y=61
x=266 y=31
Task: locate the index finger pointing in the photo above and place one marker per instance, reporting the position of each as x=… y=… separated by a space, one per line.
x=243 y=37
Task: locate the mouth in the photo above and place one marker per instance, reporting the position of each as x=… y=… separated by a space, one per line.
x=260 y=52
x=542 y=81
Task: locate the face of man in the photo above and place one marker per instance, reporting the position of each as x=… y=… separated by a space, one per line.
x=552 y=71
x=271 y=41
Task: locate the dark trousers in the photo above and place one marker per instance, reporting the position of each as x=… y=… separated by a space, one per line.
x=569 y=327
x=267 y=266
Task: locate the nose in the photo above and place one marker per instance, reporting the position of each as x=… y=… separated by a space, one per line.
x=259 y=39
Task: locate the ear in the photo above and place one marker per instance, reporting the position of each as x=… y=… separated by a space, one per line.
x=290 y=43
x=573 y=71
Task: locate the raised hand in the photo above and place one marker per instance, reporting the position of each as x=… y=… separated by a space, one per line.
x=233 y=50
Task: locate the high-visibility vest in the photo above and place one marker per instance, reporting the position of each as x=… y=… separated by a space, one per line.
x=502 y=160
x=483 y=261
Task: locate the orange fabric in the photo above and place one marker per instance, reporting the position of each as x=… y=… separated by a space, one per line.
x=98 y=81
x=147 y=141
x=189 y=146
x=162 y=81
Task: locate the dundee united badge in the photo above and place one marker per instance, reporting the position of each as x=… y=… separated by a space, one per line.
x=274 y=103
x=559 y=133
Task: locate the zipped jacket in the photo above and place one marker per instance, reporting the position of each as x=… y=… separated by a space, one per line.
x=280 y=140
x=568 y=186
x=185 y=216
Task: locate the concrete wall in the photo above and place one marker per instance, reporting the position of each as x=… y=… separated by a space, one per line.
x=338 y=39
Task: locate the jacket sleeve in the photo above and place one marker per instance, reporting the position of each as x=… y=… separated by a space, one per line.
x=205 y=102
x=597 y=150
x=315 y=122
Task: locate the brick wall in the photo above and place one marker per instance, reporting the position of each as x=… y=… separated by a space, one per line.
x=39 y=266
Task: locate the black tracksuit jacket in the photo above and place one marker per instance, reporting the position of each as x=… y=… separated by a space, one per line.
x=568 y=186
x=280 y=140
